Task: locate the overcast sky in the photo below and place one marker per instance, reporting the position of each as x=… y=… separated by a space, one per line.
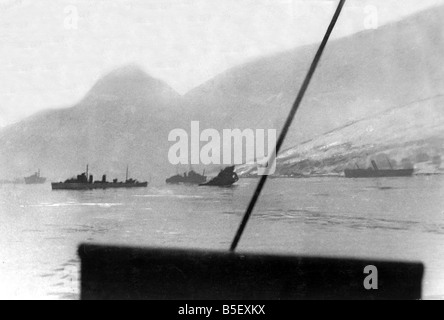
x=49 y=60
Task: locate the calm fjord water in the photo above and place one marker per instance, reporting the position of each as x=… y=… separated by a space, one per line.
x=384 y=218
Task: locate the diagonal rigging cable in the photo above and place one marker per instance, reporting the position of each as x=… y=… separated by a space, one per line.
x=288 y=123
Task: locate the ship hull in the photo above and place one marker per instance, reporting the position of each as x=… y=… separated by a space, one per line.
x=191 y=178
x=87 y=186
x=186 y=182
x=35 y=180
x=218 y=184
x=379 y=173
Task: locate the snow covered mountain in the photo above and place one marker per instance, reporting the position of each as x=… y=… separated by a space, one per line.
x=412 y=135
x=376 y=93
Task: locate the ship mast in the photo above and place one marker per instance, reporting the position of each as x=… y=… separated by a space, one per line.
x=390 y=163
x=127 y=172
x=288 y=123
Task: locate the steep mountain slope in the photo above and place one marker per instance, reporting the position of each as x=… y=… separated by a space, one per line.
x=124 y=119
x=408 y=136
x=127 y=115
x=359 y=76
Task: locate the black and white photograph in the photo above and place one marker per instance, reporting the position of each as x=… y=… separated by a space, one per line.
x=222 y=156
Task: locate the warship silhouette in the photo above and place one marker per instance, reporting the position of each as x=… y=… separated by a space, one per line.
x=191 y=177
x=83 y=182
x=375 y=172
x=35 y=179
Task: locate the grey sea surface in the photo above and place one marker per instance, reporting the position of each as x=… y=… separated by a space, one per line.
x=41 y=229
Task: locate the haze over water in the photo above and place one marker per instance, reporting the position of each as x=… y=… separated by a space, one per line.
x=40 y=230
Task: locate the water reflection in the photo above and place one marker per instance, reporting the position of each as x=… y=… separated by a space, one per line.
x=400 y=218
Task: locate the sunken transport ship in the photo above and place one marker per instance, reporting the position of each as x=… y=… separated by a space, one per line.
x=226 y=178
x=375 y=172
x=82 y=182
